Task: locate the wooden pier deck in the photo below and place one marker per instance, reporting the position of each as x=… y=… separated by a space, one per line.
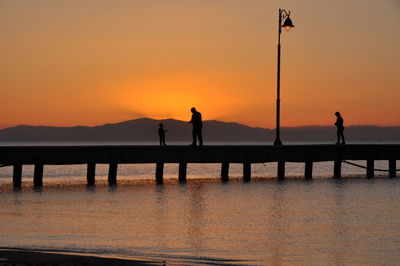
x=17 y=156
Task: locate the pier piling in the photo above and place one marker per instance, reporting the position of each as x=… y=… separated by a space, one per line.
x=159 y=172
x=112 y=174
x=308 y=169
x=225 y=171
x=337 y=169
x=17 y=174
x=113 y=155
x=370 y=168
x=38 y=175
x=91 y=173
x=246 y=172
x=182 y=172
x=392 y=168
x=281 y=170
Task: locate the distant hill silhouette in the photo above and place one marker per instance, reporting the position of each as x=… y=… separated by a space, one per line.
x=145 y=129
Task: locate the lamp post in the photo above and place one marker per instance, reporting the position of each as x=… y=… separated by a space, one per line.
x=287 y=25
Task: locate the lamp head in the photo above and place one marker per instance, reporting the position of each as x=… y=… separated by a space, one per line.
x=288 y=24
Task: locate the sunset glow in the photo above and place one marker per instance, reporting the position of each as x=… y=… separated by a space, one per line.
x=69 y=63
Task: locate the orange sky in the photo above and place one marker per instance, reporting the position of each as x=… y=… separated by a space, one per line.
x=91 y=62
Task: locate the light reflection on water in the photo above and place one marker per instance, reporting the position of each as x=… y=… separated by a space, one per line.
x=323 y=221
x=77 y=173
x=353 y=220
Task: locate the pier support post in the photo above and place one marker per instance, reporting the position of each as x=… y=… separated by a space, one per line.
x=112 y=174
x=225 y=171
x=17 y=173
x=38 y=175
x=91 y=173
x=308 y=170
x=392 y=168
x=370 y=168
x=337 y=169
x=281 y=170
x=159 y=172
x=182 y=172
x=246 y=172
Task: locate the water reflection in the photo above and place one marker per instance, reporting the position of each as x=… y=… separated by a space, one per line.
x=195 y=217
x=17 y=196
x=279 y=223
x=161 y=210
x=112 y=188
x=335 y=221
x=338 y=224
x=38 y=189
x=91 y=188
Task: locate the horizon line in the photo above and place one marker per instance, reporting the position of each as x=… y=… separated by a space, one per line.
x=148 y=118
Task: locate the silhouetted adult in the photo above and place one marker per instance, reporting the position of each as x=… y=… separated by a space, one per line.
x=340 y=128
x=161 y=134
x=197 y=127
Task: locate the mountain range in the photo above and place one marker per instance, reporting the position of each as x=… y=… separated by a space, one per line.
x=145 y=129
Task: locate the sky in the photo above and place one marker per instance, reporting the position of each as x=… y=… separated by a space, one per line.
x=68 y=63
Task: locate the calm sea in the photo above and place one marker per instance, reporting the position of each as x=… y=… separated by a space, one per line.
x=324 y=221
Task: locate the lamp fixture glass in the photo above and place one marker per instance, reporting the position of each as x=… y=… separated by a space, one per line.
x=288 y=24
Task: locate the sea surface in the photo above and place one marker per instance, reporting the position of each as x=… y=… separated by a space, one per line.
x=323 y=221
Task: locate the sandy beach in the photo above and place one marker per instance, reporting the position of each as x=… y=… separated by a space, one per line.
x=29 y=257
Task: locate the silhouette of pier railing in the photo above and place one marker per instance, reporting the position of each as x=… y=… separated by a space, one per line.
x=17 y=156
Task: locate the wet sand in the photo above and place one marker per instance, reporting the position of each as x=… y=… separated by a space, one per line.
x=21 y=257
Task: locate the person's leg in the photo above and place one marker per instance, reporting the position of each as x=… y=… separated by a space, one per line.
x=194 y=135
x=342 y=135
x=200 y=137
x=338 y=136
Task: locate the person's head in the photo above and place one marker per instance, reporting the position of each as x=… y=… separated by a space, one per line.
x=337 y=114
x=161 y=125
x=193 y=110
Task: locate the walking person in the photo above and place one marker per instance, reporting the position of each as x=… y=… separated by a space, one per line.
x=340 y=128
x=197 y=127
x=161 y=134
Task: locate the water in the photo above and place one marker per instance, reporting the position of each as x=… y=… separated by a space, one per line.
x=325 y=221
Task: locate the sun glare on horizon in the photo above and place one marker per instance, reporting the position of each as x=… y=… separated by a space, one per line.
x=172 y=96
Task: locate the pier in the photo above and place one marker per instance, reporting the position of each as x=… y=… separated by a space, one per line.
x=113 y=155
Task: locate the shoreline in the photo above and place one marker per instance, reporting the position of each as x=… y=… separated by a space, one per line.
x=22 y=257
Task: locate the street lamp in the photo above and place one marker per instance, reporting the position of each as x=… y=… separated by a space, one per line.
x=287 y=25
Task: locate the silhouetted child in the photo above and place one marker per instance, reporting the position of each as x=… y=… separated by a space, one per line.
x=340 y=128
x=161 y=134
